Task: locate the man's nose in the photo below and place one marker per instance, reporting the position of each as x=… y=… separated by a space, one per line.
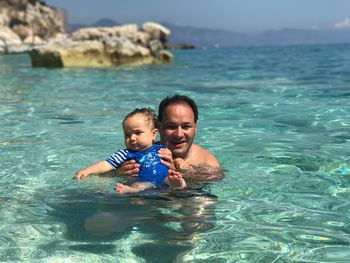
x=179 y=132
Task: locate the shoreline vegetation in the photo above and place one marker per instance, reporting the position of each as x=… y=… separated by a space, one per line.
x=30 y=26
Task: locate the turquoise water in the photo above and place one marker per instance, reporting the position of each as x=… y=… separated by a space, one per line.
x=277 y=118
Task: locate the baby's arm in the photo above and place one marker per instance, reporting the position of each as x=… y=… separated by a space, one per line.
x=97 y=168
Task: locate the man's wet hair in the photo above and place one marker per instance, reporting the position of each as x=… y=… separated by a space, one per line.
x=177 y=99
x=149 y=114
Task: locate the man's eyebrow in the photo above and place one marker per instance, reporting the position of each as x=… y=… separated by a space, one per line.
x=182 y=123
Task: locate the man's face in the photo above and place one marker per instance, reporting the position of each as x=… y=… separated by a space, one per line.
x=178 y=129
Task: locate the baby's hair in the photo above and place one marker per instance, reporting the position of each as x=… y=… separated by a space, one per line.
x=148 y=113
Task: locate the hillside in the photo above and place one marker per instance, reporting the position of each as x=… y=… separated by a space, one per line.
x=204 y=37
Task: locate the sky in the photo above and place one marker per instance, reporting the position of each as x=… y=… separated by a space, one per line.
x=245 y=16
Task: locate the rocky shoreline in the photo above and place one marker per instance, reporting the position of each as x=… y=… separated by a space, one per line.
x=105 y=47
x=33 y=27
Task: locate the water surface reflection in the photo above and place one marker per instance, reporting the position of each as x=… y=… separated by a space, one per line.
x=163 y=222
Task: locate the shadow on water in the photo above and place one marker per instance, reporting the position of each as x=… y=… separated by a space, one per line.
x=166 y=219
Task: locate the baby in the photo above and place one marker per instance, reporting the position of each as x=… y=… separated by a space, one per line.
x=139 y=134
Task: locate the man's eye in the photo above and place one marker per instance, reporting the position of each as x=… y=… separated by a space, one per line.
x=171 y=127
x=186 y=127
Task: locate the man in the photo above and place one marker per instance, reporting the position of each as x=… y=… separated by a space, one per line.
x=178 y=117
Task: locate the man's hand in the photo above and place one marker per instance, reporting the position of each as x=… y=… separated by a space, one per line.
x=181 y=165
x=166 y=158
x=128 y=168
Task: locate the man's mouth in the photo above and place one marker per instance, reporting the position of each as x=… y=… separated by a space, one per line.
x=178 y=144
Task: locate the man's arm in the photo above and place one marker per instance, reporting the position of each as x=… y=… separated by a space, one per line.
x=211 y=160
x=204 y=174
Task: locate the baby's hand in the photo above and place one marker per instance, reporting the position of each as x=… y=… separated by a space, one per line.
x=81 y=174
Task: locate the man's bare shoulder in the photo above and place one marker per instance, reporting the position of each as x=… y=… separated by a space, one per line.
x=204 y=165
x=201 y=156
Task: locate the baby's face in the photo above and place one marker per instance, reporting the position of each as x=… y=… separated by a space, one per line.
x=138 y=135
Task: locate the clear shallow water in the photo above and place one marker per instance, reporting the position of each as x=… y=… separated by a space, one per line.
x=277 y=118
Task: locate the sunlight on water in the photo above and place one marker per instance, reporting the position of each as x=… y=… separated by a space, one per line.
x=276 y=118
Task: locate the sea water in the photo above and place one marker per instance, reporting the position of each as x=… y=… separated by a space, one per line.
x=277 y=119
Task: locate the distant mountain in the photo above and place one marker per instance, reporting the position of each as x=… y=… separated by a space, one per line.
x=105 y=22
x=302 y=37
x=204 y=37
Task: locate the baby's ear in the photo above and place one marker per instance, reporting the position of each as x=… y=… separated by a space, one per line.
x=154 y=133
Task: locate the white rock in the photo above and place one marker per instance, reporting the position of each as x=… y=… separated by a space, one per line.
x=9 y=37
x=156 y=31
